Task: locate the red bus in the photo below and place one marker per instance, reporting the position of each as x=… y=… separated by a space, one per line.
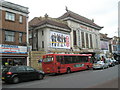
x=66 y=63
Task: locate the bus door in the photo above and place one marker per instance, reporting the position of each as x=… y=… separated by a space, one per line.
x=48 y=64
x=60 y=64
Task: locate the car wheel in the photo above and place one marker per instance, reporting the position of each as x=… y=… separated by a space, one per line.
x=40 y=76
x=15 y=80
x=103 y=67
x=68 y=70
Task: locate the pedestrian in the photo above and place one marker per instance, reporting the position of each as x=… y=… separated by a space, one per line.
x=103 y=59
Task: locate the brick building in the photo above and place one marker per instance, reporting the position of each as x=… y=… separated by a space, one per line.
x=13 y=33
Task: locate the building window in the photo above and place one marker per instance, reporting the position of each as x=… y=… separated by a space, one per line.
x=91 y=45
x=74 y=38
x=82 y=37
x=20 y=37
x=9 y=36
x=10 y=16
x=87 y=41
x=42 y=44
x=42 y=32
x=20 y=19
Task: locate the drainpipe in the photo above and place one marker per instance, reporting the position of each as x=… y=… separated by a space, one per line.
x=27 y=40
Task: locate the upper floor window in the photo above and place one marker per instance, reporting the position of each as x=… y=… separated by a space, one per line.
x=20 y=37
x=83 y=39
x=10 y=16
x=74 y=38
x=42 y=44
x=42 y=32
x=9 y=36
x=20 y=19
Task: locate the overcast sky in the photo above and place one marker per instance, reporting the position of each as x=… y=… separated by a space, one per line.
x=104 y=12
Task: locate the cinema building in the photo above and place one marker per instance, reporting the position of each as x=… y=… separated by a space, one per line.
x=82 y=34
x=13 y=33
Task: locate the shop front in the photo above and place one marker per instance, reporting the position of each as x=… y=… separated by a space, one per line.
x=13 y=55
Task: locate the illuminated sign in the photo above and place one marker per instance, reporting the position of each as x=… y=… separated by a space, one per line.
x=12 y=49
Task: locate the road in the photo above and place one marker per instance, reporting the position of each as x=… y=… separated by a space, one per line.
x=107 y=78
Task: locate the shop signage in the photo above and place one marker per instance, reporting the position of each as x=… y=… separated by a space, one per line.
x=13 y=49
x=59 y=40
x=85 y=28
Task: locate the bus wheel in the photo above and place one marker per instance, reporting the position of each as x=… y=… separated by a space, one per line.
x=68 y=70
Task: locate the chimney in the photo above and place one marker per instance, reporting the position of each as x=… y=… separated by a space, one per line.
x=92 y=20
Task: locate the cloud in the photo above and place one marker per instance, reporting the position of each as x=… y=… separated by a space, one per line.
x=104 y=12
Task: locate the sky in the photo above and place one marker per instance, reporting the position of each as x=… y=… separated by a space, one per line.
x=104 y=12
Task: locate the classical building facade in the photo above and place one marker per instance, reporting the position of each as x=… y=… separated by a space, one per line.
x=84 y=32
x=13 y=33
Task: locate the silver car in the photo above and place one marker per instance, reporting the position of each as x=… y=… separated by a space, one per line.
x=100 y=65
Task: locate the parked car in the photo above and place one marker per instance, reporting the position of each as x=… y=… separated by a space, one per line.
x=110 y=62
x=16 y=74
x=115 y=61
x=100 y=65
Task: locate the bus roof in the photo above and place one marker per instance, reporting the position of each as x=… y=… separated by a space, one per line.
x=69 y=54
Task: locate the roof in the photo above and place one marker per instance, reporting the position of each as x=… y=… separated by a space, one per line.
x=104 y=37
x=13 y=6
x=80 y=18
x=34 y=21
x=50 y=21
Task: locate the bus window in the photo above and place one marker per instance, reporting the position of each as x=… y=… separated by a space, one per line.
x=48 y=59
x=60 y=59
x=66 y=58
x=74 y=59
x=81 y=59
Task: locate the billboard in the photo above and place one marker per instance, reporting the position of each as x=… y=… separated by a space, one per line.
x=104 y=45
x=13 y=49
x=59 y=40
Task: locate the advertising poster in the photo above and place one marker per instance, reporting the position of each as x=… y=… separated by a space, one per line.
x=104 y=45
x=59 y=40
